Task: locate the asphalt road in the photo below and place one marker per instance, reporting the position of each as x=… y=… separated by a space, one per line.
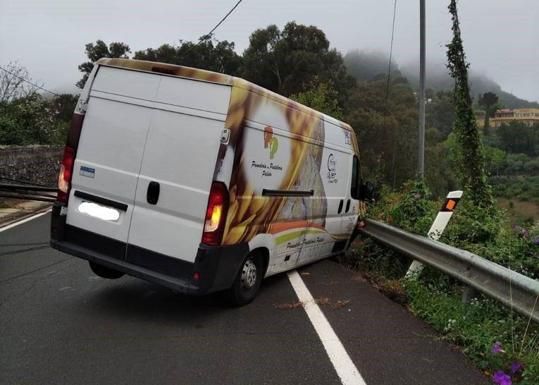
x=60 y=324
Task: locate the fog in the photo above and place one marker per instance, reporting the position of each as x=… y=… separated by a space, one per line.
x=501 y=37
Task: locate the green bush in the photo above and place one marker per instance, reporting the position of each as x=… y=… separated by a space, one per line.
x=34 y=119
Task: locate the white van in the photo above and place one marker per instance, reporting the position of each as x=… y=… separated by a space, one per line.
x=200 y=181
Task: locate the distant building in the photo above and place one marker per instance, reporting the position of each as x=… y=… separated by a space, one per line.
x=528 y=116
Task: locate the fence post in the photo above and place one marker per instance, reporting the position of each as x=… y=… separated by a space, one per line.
x=438 y=227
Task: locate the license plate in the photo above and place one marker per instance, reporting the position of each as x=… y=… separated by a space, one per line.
x=98 y=211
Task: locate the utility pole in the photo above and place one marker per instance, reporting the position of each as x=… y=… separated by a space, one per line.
x=421 y=142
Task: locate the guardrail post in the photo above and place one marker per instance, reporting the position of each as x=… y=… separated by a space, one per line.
x=438 y=227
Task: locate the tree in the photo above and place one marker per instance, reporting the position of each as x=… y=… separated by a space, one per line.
x=290 y=61
x=63 y=106
x=321 y=97
x=440 y=112
x=12 y=83
x=217 y=56
x=517 y=137
x=489 y=102
x=386 y=125
x=472 y=171
x=97 y=51
x=495 y=159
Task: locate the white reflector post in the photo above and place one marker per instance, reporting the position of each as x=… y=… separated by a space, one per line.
x=438 y=226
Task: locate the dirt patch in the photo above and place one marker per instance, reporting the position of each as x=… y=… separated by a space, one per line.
x=519 y=210
x=288 y=306
x=322 y=301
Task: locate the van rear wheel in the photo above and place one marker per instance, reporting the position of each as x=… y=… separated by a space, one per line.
x=105 y=272
x=247 y=282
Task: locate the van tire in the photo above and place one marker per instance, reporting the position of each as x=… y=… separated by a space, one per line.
x=247 y=281
x=105 y=272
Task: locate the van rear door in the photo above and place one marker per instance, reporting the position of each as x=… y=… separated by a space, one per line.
x=110 y=152
x=176 y=173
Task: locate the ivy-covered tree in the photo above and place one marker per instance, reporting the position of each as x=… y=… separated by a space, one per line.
x=472 y=170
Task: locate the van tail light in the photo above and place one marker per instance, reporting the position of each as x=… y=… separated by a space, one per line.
x=215 y=214
x=66 y=172
x=68 y=161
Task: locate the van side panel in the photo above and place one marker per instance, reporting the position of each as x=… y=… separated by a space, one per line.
x=290 y=178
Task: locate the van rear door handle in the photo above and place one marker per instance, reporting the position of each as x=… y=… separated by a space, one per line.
x=340 y=206
x=152 y=195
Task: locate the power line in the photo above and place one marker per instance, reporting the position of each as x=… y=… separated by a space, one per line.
x=386 y=113
x=223 y=19
x=391 y=48
x=28 y=81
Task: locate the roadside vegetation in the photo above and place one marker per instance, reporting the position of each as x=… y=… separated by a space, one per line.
x=28 y=116
x=476 y=327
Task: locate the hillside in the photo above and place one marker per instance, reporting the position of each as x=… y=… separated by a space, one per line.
x=366 y=65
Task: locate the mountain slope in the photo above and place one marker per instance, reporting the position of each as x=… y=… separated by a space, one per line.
x=367 y=65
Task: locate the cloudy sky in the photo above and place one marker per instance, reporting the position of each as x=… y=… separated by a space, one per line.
x=501 y=37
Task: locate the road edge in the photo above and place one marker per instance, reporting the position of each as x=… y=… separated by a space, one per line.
x=19 y=220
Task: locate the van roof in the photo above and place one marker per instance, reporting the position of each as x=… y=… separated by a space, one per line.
x=212 y=77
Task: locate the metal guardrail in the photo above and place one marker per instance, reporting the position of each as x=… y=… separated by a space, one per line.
x=28 y=192
x=508 y=287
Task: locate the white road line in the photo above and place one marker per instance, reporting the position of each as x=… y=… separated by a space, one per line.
x=24 y=220
x=345 y=368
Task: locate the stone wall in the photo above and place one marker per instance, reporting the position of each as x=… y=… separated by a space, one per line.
x=35 y=164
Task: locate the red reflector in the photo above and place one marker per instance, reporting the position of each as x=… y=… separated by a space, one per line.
x=215 y=214
x=196 y=276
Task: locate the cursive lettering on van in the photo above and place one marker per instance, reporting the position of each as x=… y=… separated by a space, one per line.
x=258 y=165
x=292 y=245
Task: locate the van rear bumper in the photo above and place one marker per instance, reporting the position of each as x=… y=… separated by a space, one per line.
x=216 y=266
